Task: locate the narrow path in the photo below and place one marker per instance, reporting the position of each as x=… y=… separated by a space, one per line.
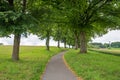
x=57 y=70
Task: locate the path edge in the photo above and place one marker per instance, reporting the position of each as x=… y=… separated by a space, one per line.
x=67 y=65
x=44 y=69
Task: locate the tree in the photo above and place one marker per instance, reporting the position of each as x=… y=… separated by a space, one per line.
x=115 y=44
x=14 y=20
x=57 y=31
x=45 y=33
x=91 y=15
x=1 y=44
x=97 y=45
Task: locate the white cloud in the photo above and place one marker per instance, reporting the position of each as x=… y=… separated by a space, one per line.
x=7 y=41
x=30 y=40
x=111 y=36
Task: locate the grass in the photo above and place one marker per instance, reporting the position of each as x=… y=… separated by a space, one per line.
x=111 y=51
x=30 y=66
x=94 y=66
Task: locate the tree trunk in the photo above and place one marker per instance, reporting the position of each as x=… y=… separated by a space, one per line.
x=65 y=43
x=69 y=46
x=76 y=36
x=76 y=42
x=58 y=44
x=83 y=42
x=47 y=41
x=15 y=53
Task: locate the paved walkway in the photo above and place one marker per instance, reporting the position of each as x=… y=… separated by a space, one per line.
x=57 y=70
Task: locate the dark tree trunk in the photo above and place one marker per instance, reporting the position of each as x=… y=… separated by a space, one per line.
x=15 y=53
x=47 y=41
x=76 y=36
x=65 y=43
x=69 y=46
x=58 y=44
x=76 y=42
x=83 y=42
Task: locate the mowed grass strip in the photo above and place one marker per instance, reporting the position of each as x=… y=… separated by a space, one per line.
x=31 y=65
x=94 y=66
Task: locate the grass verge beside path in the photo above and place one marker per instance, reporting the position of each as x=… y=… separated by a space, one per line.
x=31 y=65
x=94 y=66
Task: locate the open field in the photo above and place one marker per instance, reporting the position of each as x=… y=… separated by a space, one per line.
x=111 y=51
x=94 y=66
x=31 y=65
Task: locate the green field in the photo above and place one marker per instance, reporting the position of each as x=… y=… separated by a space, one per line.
x=111 y=51
x=31 y=65
x=94 y=65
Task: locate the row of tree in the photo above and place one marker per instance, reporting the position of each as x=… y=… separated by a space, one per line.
x=1 y=43
x=73 y=22
x=105 y=45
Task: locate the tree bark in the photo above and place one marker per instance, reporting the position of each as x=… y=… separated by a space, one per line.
x=47 y=41
x=83 y=42
x=76 y=37
x=58 y=44
x=76 y=42
x=65 y=43
x=69 y=46
x=15 y=53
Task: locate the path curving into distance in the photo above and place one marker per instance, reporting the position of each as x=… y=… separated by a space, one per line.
x=57 y=70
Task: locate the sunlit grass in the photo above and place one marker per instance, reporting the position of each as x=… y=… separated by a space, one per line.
x=30 y=66
x=94 y=66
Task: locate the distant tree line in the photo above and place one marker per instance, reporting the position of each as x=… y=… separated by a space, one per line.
x=105 y=45
x=1 y=43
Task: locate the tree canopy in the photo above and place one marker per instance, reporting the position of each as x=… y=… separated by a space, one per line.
x=76 y=20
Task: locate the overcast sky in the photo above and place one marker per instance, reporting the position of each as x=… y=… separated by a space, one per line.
x=30 y=40
x=111 y=36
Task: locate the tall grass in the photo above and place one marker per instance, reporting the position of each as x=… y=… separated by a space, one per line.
x=30 y=66
x=94 y=66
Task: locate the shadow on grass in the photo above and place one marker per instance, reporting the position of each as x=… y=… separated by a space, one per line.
x=105 y=52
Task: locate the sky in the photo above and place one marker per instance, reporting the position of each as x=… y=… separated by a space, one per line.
x=111 y=36
x=31 y=40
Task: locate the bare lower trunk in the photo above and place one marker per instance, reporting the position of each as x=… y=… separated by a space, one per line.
x=15 y=53
x=47 y=41
x=47 y=44
x=65 y=44
x=83 y=42
x=76 y=43
x=58 y=44
x=69 y=46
